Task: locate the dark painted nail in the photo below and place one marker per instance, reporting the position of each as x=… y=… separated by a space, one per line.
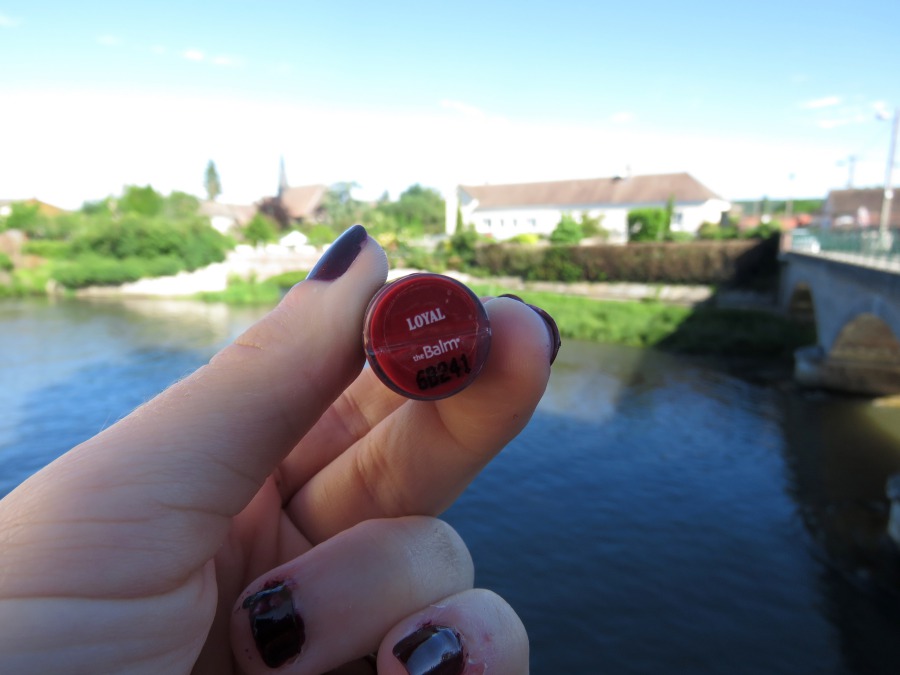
x=277 y=629
x=431 y=650
x=555 y=339
x=340 y=255
x=514 y=297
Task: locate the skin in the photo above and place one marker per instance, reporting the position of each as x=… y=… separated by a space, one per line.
x=280 y=459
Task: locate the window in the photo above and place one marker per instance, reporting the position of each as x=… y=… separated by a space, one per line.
x=532 y=222
x=487 y=222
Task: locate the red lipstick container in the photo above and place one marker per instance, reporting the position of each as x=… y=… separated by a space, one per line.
x=426 y=336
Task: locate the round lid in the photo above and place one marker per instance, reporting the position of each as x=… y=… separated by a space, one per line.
x=426 y=336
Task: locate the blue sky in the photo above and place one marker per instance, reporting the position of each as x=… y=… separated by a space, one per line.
x=754 y=99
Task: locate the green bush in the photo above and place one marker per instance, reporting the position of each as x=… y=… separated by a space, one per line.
x=260 y=230
x=47 y=248
x=94 y=270
x=691 y=263
x=6 y=264
x=717 y=232
x=526 y=239
x=567 y=231
x=650 y=224
x=192 y=241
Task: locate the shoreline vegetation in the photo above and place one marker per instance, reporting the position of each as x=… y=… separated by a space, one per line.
x=697 y=331
x=143 y=233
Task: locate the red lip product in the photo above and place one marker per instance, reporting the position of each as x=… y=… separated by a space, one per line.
x=426 y=336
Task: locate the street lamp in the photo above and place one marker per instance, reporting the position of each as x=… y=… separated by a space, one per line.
x=888 y=177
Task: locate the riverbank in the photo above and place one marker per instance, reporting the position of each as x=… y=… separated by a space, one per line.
x=702 y=329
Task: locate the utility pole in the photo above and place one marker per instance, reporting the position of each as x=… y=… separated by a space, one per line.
x=850 y=163
x=889 y=181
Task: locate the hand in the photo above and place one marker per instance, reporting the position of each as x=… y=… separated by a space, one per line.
x=276 y=501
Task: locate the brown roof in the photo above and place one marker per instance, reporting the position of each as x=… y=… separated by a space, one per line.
x=240 y=213
x=848 y=203
x=303 y=201
x=654 y=189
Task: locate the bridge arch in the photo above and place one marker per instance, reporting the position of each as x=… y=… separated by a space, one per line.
x=869 y=320
x=801 y=304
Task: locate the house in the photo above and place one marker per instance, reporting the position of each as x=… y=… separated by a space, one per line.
x=44 y=208
x=227 y=217
x=293 y=205
x=857 y=208
x=504 y=211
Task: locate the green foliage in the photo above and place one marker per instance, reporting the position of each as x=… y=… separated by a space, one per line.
x=700 y=331
x=180 y=205
x=211 y=181
x=289 y=279
x=419 y=210
x=95 y=270
x=763 y=230
x=462 y=247
x=23 y=216
x=648 y=224
x=341 y=209
x=717 y=232
x=692 y=263
x=528 y=239
x=260 y=230
x=192 y=241
x=568 y=231
x=6 y=263
x=319 y=235
x=144 y=201
x=47 y=248
x=593 y=227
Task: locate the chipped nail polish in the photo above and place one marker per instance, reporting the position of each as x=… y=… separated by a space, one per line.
x=277 y=628
x=431 y=650
x=340 y=255
x=426 y=336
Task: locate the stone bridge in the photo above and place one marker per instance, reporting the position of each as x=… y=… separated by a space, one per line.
x=856 y=308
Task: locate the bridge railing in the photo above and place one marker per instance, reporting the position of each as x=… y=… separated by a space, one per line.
x=864 y=245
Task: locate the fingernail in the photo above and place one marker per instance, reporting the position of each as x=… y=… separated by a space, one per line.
x=340 y=255
x=514 y=297
x=277 y=629
x=431 y=650
x=555 y=339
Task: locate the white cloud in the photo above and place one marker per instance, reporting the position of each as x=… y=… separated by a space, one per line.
x=171 y=138
x=9 y=22
x=194 y=55
x=622 y=118
x=824 y=102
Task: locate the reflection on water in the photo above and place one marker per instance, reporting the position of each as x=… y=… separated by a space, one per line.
x=657 y=515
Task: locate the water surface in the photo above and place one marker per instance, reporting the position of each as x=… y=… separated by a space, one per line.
x=657 y=516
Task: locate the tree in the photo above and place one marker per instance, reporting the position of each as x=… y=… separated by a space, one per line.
x=567 y=231
x=144 y=201
x=260 y=230
x=213 y=184
x=647 y=224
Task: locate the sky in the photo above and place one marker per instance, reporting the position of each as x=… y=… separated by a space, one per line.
x=752 y=98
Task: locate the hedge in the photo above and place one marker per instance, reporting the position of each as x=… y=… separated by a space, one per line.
x=699 y=262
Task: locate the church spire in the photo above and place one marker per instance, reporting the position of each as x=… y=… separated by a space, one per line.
x=282 y=179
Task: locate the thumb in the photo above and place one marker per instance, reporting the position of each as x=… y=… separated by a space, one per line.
x=194 y=456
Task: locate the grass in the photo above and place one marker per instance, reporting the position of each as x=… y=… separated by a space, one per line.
x=252 y=292
x=684 y=330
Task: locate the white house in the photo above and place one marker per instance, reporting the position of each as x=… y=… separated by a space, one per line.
x=503 y=211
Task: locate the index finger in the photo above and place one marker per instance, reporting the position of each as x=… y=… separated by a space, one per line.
x=194 y=456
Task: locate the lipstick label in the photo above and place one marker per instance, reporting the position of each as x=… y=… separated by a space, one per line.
x=425 y=318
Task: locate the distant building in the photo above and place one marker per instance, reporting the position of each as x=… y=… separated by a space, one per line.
x=857 y=208
x=295 y=205
x=227 y=217
x=43 y=207
x=504 y=211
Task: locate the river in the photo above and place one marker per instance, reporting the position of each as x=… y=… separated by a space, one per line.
x=658 y=515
